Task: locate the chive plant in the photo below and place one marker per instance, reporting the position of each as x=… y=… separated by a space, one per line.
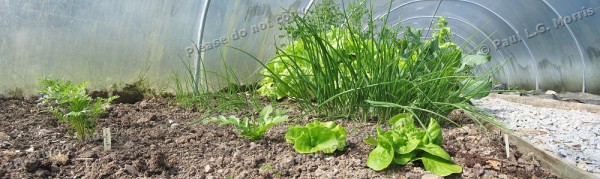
x=336 y=68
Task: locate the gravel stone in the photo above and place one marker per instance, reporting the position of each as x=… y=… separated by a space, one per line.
x=570 y=134
x=174 y=125
x=208 y=169
x=4 y=136
x=130 y=169
x=430 y=176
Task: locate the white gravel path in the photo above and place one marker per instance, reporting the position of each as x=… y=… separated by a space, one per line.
x=570 y=134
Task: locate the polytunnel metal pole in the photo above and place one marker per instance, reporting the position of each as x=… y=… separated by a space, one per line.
x=433 y=18
x=199 y=60
x=309 y=6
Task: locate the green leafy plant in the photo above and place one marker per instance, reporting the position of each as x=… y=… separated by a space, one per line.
x=405 y=143
x=317 y=136
x=71 y=104
x=334 y=67
x=251 y=128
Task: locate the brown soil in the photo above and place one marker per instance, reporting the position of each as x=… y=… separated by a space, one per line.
x=151 y=138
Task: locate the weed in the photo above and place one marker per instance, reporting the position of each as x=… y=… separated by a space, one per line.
x=207 y=94
x=16 y=93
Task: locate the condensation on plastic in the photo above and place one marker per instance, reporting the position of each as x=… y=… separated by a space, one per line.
x=543 y=44
x=104 y=42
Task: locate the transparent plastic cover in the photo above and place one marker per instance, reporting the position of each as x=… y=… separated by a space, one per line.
x=544 y=45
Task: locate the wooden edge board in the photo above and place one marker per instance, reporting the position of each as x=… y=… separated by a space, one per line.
x=549 y=161
x=548 y=103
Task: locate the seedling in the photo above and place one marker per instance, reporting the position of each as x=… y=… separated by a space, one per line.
x=251 y=128
x=71 y=104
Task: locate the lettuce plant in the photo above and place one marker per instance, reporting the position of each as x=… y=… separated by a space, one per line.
x=253 y=129
x=317 y=136
x=71 y=104
x=405 y=143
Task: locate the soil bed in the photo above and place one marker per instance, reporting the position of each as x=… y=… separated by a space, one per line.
x=152 y=139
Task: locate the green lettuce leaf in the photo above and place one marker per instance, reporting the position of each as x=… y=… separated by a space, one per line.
x=316 y=136
x=435 y=150
x=410 y=146
x=381 y=157
x=403 y=159
x=433 y=133
x=406 y=143
x=316 y=139
x=370 y=140
x=402 y=120
x=439 y=166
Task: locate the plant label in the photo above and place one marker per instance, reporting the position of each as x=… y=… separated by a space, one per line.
x=107 y=140
x=506 y=144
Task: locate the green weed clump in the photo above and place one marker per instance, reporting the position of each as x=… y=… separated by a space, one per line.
x=210 y=95
x=71 y=104
x=337 y=67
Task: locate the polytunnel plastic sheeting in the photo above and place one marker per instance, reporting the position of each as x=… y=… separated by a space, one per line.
x=237 y=33
x=544 y=45
x=104 y=42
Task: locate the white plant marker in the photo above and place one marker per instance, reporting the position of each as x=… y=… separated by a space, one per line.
x=507 y=146
x=107 y=140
